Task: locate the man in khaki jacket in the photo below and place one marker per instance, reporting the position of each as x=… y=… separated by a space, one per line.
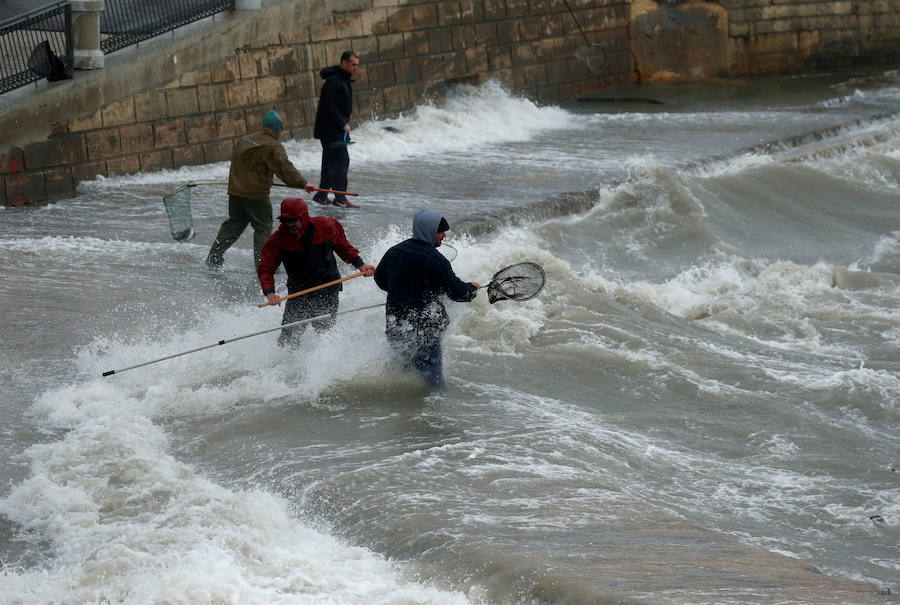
x=255 y=159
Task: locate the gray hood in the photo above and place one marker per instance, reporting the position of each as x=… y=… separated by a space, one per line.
x=425 y=225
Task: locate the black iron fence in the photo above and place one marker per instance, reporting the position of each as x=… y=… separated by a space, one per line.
x=39 y=43
x=127 y=22
x=30 y=42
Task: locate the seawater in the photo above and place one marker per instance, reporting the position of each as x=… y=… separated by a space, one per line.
x=701 y=407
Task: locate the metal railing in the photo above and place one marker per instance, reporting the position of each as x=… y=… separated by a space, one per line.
x=127 y=22
x=122 y=23
x=20 y=38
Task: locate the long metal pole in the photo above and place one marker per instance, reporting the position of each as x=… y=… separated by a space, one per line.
x=225 y=341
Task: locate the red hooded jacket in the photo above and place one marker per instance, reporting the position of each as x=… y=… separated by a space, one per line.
x=308 y=257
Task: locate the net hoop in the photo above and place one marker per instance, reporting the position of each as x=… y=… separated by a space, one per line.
x=448 y=251
x=594 y=56
x=522 y=281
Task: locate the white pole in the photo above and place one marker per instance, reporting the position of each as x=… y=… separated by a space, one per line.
x=224 y=341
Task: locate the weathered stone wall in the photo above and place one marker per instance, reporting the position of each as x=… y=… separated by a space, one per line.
x=183 y=100
x=184 y=103
x=679 y=39
x=780 y=36
x=684 y=41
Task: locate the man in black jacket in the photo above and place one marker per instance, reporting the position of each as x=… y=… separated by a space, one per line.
x=416 y=277
x=332 y=126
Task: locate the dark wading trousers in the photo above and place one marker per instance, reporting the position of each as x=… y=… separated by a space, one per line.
x=333 y=174
x=320 y=302
x=242 y=212
x=429 y=362
x=420 y=352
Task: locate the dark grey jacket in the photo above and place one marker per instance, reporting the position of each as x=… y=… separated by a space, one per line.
x=335 y=104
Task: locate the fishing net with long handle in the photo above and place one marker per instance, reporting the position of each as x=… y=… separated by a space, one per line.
x=521 y=281
x=593 y=55
x=178 y=209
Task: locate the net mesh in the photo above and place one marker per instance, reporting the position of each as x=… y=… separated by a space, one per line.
x=516 y=282
x=178 y=209
x=448 y=251
x=594 y=56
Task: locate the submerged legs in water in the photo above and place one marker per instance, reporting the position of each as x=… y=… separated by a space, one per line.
x=309 y=305
x=426 y=357
x=430 y=364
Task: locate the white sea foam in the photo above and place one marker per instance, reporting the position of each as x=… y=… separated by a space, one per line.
x=129 y=523
x=697 y=290
x=482 y=116
x=733 y=165
x=72 y=246
x=882 y=385
x=887 y=248
x=778 y=291
x=250 y=372
x=859 y=96
x=777 y=446
x=855 y=96
x=505 y=327
x=847 y=144
x=217 y=172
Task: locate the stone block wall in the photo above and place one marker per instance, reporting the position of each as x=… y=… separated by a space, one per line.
x=410 y=52
x=781 y=36
x=184 y=101
x=683 y=39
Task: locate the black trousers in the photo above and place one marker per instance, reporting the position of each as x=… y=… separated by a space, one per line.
x=333 y=175
x=320 y=302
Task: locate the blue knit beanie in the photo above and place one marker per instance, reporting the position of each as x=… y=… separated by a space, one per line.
x=273 y=120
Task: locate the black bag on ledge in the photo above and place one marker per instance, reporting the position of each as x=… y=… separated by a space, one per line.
x=46 y=64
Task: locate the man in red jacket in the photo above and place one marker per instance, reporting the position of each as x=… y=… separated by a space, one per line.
x=306 y=245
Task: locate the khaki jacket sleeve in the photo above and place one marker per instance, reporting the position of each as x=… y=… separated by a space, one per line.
x=284 y=169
